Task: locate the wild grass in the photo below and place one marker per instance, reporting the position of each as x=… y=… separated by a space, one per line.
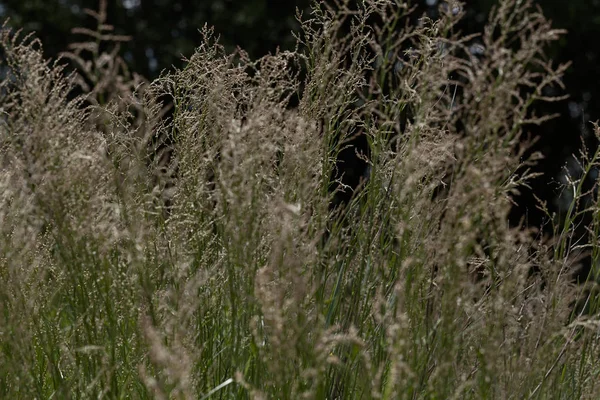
x=223 y=271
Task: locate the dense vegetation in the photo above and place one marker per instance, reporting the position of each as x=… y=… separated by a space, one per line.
x=162 y=32
x=227 y=269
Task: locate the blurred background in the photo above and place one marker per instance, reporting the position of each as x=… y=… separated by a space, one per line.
x=164 y=31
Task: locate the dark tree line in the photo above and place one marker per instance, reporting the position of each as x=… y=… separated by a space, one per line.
x=163 y=31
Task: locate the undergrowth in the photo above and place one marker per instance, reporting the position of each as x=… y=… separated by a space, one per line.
x=220 y=268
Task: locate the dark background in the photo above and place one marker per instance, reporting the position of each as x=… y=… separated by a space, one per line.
x=164 y=31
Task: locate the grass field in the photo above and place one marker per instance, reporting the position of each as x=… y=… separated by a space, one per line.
x=223 y=272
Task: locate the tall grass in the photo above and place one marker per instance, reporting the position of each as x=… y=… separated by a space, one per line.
x=225 y=272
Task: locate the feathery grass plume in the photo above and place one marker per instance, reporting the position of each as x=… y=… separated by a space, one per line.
x=66 y=287
x=102 y=73
x=120 y=105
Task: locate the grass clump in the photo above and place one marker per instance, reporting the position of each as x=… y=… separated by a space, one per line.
x=231 y=269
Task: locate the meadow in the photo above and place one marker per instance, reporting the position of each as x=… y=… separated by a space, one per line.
x=197 y=251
